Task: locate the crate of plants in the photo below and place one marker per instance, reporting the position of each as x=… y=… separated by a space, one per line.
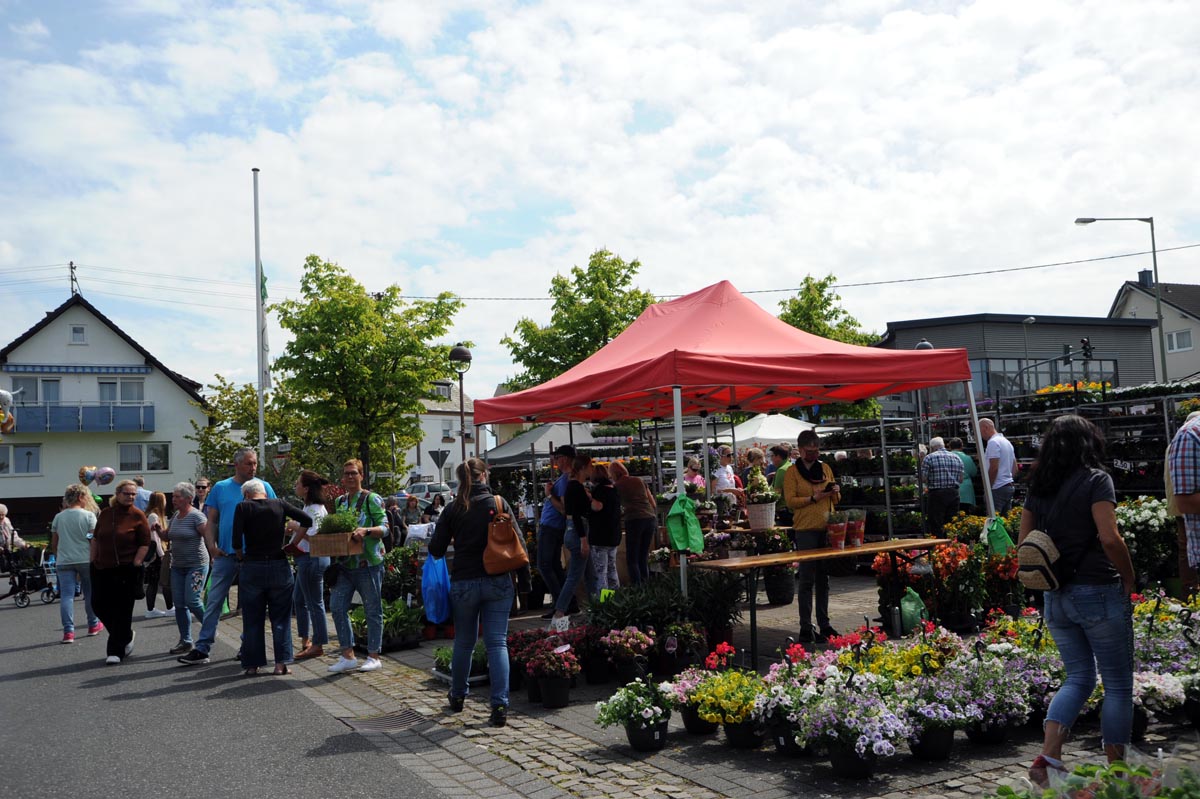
x=333 y=536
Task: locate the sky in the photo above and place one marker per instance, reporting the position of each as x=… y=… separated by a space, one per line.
x=483 y=147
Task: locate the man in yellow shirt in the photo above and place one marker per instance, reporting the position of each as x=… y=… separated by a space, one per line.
x=810 y=490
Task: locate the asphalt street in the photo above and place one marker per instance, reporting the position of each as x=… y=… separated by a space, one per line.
x=72 y=726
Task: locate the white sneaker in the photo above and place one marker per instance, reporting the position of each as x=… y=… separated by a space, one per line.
x=344 y=664
x=559 y=625
x=112 y=660
x=372 y=664
x=129 y=646
x=159 y=614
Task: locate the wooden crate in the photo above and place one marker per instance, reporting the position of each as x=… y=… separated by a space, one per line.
x=333 y=545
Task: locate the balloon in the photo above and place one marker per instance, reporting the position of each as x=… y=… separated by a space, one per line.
x=105 y=475
x=87 y=474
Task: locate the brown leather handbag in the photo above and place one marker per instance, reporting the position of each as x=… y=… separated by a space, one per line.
x=505 y=552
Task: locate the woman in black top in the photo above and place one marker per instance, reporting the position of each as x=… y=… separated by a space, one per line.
x=1072 y=499
x=478 y=598
x=577 y=504
x=605 y=533
x=265 y=583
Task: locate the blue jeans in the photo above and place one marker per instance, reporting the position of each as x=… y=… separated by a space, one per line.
x=639 y=537
x=187 y=586
x=368 y=582
x=266 y=588
x=604 y=563
x=70 y=575
x=223 y=571
x=549 y=558
x=309 y=598
x=486 y=601
x=578 y=567
x=1093 y=628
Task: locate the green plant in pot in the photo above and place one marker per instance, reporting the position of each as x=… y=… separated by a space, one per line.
x=643 y=709
x=628 y=648
x=714 y=598
x=553 y=664
x=344 y=521
x=444 y=655
x=655 y=603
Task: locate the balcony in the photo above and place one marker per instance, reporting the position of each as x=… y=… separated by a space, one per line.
x=84 y=417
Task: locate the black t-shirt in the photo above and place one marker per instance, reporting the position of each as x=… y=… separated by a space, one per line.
x=1073 y=529
x=606 y=523
x=578 y=505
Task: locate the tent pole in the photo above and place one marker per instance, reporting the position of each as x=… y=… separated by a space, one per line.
x=677 y=395
x=983 y=469
x=704 y=456
x=533 y=481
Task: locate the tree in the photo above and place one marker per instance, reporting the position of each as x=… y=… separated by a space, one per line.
x=590 y=309
x=817 y=309
x=359 y=365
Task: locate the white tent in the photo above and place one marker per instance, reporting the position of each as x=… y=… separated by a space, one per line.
x=766 y=429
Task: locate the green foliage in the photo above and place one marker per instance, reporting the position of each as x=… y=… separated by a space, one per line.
x=401 y=573
x=657 y=603
x=399 y=620
x=591 y=308
x=344 y=521
x=1115 y=781
x=442 y=656
x=359 y=364
x=714 y=598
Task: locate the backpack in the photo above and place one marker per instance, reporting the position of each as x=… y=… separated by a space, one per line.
x=1038 y=565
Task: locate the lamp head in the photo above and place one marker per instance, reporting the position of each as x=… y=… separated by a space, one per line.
x=1029 y=320
x=460 y=358
x=923 y=344
x=1085 y=220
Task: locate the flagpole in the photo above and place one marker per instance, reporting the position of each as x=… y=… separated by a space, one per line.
x=261 y=320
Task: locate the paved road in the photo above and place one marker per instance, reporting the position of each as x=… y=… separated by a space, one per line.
x=72 y=726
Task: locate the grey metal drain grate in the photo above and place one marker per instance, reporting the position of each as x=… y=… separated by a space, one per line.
x=388 y=722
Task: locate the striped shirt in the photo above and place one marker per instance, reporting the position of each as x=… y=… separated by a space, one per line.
x=1184 y=458
x=942 y=469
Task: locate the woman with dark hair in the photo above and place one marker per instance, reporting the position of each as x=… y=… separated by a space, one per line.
x=436 y=506
x=479 y=599
x=156 y=517
x=578 y=506
x=605 y=522
x=308 y=596
x=1071 y=498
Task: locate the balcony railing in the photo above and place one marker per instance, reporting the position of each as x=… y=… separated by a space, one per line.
x=84 y=417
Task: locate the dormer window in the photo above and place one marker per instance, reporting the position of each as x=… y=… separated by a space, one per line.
x=442 y=390
x=78 y=334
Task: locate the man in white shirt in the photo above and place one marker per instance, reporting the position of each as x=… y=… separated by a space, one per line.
x=1000 y=462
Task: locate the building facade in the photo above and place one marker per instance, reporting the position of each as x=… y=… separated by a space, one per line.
x=440 y=451
x=1181 y=321
x=89 y=395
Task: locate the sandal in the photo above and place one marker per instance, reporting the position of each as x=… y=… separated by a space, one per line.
x=251 y=672
x=281 y=669
x=310 y=652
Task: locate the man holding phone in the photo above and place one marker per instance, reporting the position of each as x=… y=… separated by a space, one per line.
x=811 y=492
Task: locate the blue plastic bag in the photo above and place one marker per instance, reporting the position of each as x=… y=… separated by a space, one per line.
x=435 y=588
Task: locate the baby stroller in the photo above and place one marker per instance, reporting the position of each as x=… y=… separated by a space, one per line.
x=28 y=579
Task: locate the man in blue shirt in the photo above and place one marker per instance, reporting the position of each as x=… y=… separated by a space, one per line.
x=553 y=527
x=222 y=501
x=143 y=496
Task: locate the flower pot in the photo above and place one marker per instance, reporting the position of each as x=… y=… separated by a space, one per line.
x=744 y=734
x=761 y=515
x=596 y=670
x=1141 y=722
x=693 y=723
x=934 y=743
x=1191 y=709
x=646 y=739
x=784 y=738
x=534 y=686
x=989 y=735
x=849 y=764
x=837 y=540
x=780 y=585
x=516 y=675
x=627 y=671
x=556 y=691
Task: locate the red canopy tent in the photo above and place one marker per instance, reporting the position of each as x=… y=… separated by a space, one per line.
x=716 y=350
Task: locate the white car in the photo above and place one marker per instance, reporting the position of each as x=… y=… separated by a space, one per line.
x=430 y=490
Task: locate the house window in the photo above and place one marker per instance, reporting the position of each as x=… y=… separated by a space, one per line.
x=442 y=390
x=20 y=459
x=125 y=390
x=1179 y=341
x=51 y=390
x=447 y=428
x=151 y=457
x=28 y=386
x=78 y=334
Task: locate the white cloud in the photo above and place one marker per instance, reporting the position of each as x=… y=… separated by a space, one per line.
x=30 y=35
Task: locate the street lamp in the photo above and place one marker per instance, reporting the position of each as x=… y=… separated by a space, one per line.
x=923 y=344
x=460 y=360
x=1025 y=323
x=1162 y=336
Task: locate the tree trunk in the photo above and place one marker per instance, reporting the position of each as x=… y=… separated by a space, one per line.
x=364 y=455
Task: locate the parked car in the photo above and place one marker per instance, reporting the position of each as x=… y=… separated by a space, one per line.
x=430 y=490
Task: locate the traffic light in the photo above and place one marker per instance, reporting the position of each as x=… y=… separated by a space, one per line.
x=1066 y=356
x=1087 y=348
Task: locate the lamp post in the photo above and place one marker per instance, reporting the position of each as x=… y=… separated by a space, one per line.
x=1025 y=323
x=460 y=360
x=923 y=344
x=1162 y=336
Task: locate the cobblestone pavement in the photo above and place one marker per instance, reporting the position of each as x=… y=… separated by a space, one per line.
x=563 y=753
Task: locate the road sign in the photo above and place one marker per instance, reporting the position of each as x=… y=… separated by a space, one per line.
x=278 y=462
x=438 y=456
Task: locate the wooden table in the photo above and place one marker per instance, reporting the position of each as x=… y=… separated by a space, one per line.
x=750 y=566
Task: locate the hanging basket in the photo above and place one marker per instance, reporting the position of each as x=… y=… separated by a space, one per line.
x=762 y=516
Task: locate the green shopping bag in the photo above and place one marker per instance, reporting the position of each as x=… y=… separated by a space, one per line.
x=683 y=528
x=998 y=539
x=912 y=610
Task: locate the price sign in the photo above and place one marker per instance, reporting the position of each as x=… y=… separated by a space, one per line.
x=1124 y=466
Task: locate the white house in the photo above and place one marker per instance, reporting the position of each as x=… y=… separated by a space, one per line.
x=1181 y=321
x=90 y=395
x=440 y=450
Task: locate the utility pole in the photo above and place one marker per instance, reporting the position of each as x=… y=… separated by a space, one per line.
x=74 y=279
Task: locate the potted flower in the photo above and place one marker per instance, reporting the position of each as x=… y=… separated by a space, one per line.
x=780 y=581
x=520 y=644
x=853 y=720
x=1154 y=694
x=835 y=529
x=856 y=527
x=718 y=543
x=682 y=694
x=760 y=500
x=443 y=655
x=676 y=645
x=553 y=667
x=998 y=694
x=728 y=698
x=626 y=648
x=740 y=545
x=587 y=643
x=935 y=705
x=659 y=559
x=643 y=709
x=715 y=599
x=789 y=688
